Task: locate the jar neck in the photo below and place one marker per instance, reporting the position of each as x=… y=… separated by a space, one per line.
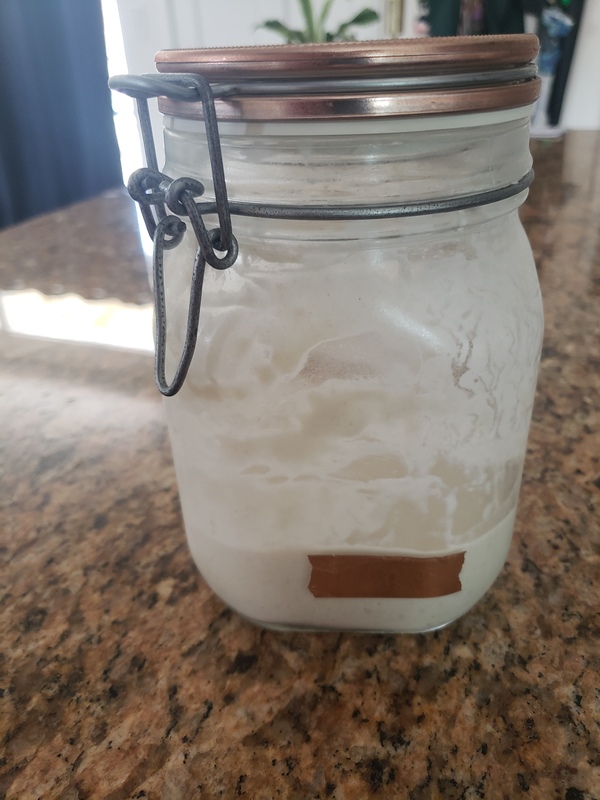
x=365 y=162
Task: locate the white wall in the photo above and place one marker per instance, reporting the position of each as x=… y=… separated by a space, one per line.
x=581 y=109
x=411 y=8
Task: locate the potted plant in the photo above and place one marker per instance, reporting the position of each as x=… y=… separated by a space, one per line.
x=314 y=25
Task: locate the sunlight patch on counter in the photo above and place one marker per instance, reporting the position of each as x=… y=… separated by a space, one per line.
x=69 y=317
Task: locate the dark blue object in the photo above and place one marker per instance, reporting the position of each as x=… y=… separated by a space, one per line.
x=57 y=135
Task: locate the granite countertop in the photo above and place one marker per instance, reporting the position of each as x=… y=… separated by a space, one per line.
x=123 y=676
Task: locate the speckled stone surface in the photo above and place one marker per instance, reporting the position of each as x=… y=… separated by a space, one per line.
x=91 y=249
x=123 y=676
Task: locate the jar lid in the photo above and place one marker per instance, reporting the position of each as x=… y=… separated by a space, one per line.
x=346 y=80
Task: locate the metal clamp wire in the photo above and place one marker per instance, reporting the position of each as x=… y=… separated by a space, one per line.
x=180 y=196
x=144 y=186
x=191 y=88
x=154 y=190
x=389 y=211
x=172 y=226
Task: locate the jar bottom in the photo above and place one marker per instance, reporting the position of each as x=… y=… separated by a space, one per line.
x=270 y=588
x=285 y=628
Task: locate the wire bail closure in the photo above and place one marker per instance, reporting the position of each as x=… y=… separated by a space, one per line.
x=157 y=194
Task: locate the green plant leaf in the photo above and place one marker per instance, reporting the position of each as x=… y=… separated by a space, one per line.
x=365 y=17
x=291 y=35
x=321 y=33
x=315 y=29
x=309 y=18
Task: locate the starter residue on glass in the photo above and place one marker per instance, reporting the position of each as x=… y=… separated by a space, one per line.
x=369 y=398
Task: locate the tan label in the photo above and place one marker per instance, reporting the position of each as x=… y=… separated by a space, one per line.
x=385 y=576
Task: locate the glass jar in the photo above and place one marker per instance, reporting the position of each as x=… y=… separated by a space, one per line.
x=350 y=437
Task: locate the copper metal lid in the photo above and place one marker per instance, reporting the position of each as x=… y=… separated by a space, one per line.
x=391 y=77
